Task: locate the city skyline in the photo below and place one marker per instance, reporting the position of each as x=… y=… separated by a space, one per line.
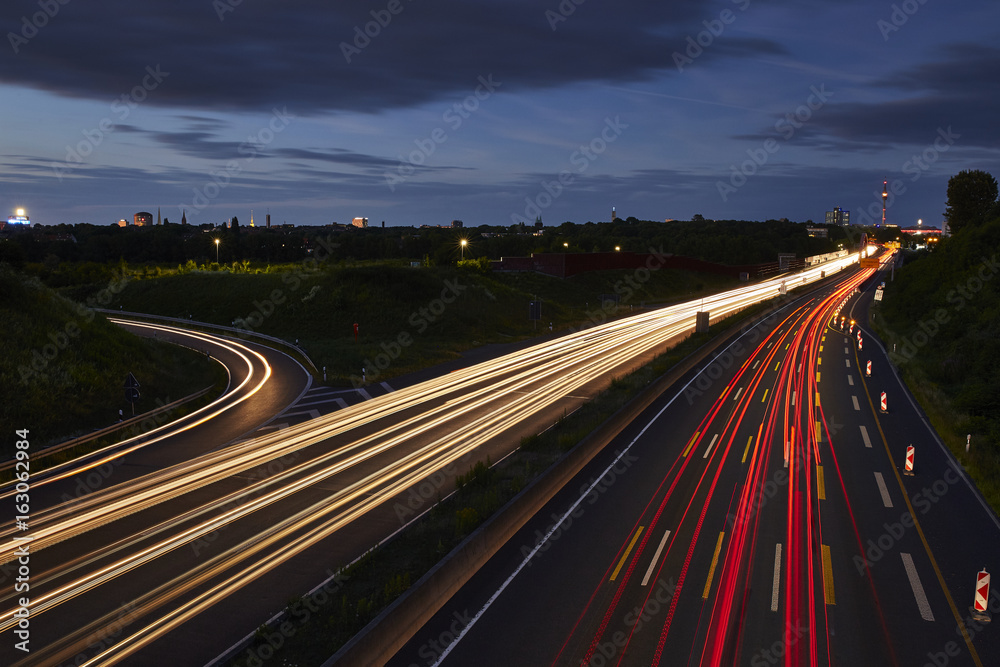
x=492 y=113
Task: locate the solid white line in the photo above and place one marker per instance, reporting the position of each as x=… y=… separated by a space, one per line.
x=886 y=500
x=776 y=587
x=918 y=589
x=864 y=436
x=855 y=400
x=850 y=379
x=656 y=558
x=710 y=445
x=558 y=524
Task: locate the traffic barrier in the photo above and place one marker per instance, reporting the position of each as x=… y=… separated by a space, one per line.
x=885 y=406
x=860 y=346
x=982 y=595
x=868 y=369
x=908 y=466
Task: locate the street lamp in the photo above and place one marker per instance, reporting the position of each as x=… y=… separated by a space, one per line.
x=216 y=251
x=463 y=243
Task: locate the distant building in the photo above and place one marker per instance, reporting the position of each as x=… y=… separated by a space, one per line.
x=123 y=223
x=456 y=224
x=614 y=214
x=838 y=216
x=360 y=222
x=142 y=219
x=184 y=217
x=20 y=217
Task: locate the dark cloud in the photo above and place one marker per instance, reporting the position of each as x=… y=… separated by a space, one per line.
x=958 y=92
x=262 y=53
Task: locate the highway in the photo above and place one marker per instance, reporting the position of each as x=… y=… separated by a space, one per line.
x=757 y=514
x=172 y=565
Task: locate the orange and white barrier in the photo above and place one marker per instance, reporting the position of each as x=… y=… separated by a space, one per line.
x=908 y=466
x=982 y=595
x=885 y=404
x=868 y=369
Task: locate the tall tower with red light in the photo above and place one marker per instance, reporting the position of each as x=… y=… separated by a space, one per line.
x=885 y=195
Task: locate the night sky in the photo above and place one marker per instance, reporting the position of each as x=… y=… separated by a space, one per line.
x=418 y=112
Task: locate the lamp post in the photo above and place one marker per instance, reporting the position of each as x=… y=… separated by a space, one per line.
x=216 y=251
x=463 y=243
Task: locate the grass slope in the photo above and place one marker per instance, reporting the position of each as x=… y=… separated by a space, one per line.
x=942 y=312
x=64 y=366
x=407 y=318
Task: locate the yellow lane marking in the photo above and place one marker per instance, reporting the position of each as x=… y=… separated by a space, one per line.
x=828 y=576
x=777 y=365
x=817 y=376
x=817 y=399
x=820 y=483
x=691 y=442
x=764 y=397
x=711 y=570
x=749 y=440
x=819 y=362
x=627 y=552
x=821 y=347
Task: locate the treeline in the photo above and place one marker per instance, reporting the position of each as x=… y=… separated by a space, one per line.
x=727 y=242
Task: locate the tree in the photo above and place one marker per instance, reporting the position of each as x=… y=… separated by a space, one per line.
x=972 y=199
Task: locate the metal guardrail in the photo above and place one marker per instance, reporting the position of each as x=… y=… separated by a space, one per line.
x=107 y=430
x=240 y=333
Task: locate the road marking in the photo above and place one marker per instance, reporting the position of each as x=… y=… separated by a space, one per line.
x=850 y=379
x=755 y=364
x=749 y=440
x=854 y=399
x=656 y=558
x=847 y=362
x=364 y=394
x=710 y=445
x=694 y=437
x=738 y=392
x=864 y=436
x=817 y=376
x=886 y=500
x=820 y=348
x=817 y=399
x=764 y=397
x=711 y=570
x=819 y=432
x=820 y=483
x=776 y=586
x=828 y=576
x=819 y=361
x=793 y=399
x=388 y=389
x=627 y=552
x=918 y=589
x=777 y=365
x=770 y=344
x=845 y=351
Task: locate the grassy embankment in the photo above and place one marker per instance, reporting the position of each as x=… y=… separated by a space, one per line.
x=64 y=367
x=942 y=312
x=407 y=318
